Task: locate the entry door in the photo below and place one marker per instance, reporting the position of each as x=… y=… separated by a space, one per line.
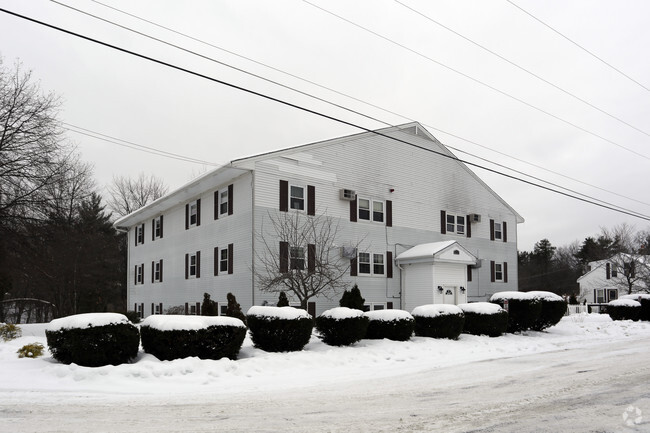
x=449 y=295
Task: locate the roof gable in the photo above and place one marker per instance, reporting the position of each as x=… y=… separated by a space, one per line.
x=447 y=252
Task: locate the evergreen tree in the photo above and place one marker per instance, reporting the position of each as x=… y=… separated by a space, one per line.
x=282 y=300
x=209 y=307
x=234 y=309
x=352 y=299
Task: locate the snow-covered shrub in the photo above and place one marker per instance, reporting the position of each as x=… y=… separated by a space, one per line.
x=484 y=318
x=438 y=321
x=523 y=309
x=391 y=324
x=9 y=331
x=624 y=309
x=206 y=337
x=133 y=316
x=279 y=329
x=341 y=326
x=93 y=339
x=33 y=350
x=644 y=299
x=553 y=309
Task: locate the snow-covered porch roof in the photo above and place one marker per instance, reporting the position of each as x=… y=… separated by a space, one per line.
x=437 y=252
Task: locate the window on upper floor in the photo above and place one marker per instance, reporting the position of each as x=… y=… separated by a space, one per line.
x=456 y=223
x=223 y=260
x=297 y=258
x=223 y=202
x=371 y=264
x=139 y=274
x=193 y=265
x=139 y=234
x=297 y=197
x=498 y=233
x=371 y=210
x=498 y=271
x=194 y=212
x=157 y=271
x=157 y=227
x=614 y=271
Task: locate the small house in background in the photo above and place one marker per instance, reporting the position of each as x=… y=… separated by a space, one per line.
x=607 y=280
x=416 y=225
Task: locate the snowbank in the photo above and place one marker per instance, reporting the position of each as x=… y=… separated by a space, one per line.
x=482 y=307
x=340 y=313
x=435 y=310
x=625 y=303
x=86 y=320
x=501 y=296
x=189 y=323
x=287 y=313
x=388 y=315
x=636 y=296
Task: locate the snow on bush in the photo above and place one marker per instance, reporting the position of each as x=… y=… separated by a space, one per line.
x=206 y=337
x=553 y=309
x=624 y=303
x=93 y=339
x=9 y=331
x=279 y=329
x=438 y=321
x=644 y=299
x=33 y=350
x=523 y=309
x=484 y=318
x=341 y=326
x=624 y=309
x=394 y=325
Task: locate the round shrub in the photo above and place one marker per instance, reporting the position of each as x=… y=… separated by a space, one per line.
x=206 y=337
x=395 y=325
x=93 y=339
x=644 y=300
x=32 y=350
x=341 y=326
x=523 y=309
x=624 y=309
x=553 y=309
x=484 y=318
x=279 y=329
x=438 y=321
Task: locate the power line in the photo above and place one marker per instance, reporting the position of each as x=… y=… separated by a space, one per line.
x=342 y=94
x=523 y=69
x=476 y=80
x=578 y=45
x=608 y=206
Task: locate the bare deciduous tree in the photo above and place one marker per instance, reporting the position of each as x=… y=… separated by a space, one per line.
x=629 y=267
x=128 y=195
x=299 y=255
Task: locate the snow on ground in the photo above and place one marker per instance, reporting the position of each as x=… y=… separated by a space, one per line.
x=317 y=364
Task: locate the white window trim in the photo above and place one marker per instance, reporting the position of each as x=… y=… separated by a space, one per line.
x=156 y=270
x=291 y=257
x=222 y=261
x=455 y=224
x=371 y=212
x=156 y=227
x=139 y=234
x=189 y=265
x=372 y=264
x=371 y=306
x=304 y=197
x=497 y=272
x=498 y=232
x=222 y=201
x=193 y=205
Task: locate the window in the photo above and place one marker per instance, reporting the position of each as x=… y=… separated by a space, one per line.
x=193 y=309
x=194 y=213
x=374 y=306
x=158 y=227
x=371 y=210
x=157 y=271
x=193 y=265
x=629 y=269
x=371 y=264
x=139 y=274
x=158 y=309
x=615 y=272
x=456 y=224
x=139 y=234
x=297 y=197
x=612 y=295
x=223 y=202
x=297 y=258
x=498 y=233
x=223 y=260
x=600 y=296
x=498 y=271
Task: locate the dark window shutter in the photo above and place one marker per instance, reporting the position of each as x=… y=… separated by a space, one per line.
x=136 y=274
x=311 y=200
x=469 y=273
x=231 y=199
x=311 y=308
x=142 y=232
x=187 y=216
x=491 y=230
x=443 y=222
x=198 y=264
x=230 y=257
x=311 y=258
x=187 y=266
x=353 y=210
x=505 y=272
x=161 y=276
x=198 y=308
x=135 y=307
x=389 y=264
x=468 y=227
x=492 y=276
x=135 y=235
x=153 y=229
x=389 y=305
x=153 y=271
x=216 y=261
x=608 y=273
x=198 y=212
x=152 y=308
x=504 y=234
x=284 y=196
x=353 y=267
x=216 y=204
x=187 y=309
x=161 y=227
x=389 y=213
x=161 y=308
x=284 y=257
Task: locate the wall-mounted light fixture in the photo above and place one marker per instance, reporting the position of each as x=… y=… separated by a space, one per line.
x=439 y=289
x=462 y=289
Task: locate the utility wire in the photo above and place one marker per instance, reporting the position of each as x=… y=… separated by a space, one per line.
x=529 y=72
x=476 y=80
x=407 y=118
x=608 y=206
x=578 y=45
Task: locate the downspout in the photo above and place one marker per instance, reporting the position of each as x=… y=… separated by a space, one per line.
x=253 y=237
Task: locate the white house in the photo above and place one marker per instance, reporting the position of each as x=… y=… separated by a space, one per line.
x=426 y=227
x=607 y=280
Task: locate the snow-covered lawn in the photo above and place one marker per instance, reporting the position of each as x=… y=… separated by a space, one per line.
x=317 y=364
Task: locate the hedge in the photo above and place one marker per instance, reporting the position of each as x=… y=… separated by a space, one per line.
x=279 y=329
x=438 y=321
x=553 y=309
x=644 y=299
x=523 y=309
x=206 y=337
x=93 y=339
x=395 y=325
x=624 y=309
x=484 y=318
x=341 y=326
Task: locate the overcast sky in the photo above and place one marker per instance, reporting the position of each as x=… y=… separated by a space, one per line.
x=599 y=146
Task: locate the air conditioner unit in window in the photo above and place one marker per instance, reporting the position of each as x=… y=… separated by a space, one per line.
x=348 y=252
x=347 y=194
x=474 y=218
